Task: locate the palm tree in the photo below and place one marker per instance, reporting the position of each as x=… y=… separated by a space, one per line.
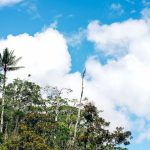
x=8 y=62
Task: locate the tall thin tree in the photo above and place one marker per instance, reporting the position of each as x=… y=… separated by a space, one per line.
x=79 y=109
x=8 y=62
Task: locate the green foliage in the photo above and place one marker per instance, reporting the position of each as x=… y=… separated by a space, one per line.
x=95 y=133
x=32 y=122
x=8 y=62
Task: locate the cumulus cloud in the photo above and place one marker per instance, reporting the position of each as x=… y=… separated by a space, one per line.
x=42 y=52
x=123 y=81
x=116 y=38
x=9 y=2
x=45 y=56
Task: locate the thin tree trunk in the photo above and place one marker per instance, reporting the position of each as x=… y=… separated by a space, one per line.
x=3 y=103
x=79 y=109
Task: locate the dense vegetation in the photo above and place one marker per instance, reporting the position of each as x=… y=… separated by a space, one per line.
x=36 y=118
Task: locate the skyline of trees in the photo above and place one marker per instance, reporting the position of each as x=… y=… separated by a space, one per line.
x=34 y=122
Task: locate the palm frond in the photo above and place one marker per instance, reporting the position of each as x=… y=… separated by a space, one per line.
x=12 y=58
x=14 y=61
x=14 y=68
x=5 y=57
x=8 y=61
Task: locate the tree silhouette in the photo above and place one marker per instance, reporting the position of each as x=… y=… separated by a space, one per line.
x=8 y=62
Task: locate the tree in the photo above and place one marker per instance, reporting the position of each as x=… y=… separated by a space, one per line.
x=20 y=96
x=31 y=122
x=8 y=62
x=95 y=134
x=79 y=109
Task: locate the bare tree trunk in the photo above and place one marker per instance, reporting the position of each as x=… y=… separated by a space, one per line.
x=79 y=109
x=3 y=103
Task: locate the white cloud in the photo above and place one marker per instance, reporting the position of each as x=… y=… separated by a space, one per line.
x=9 y=2
x=125 y=80
x=42 y=52
x=123 y=83
x=128 y=77
x=116 y=38
x=45 y=56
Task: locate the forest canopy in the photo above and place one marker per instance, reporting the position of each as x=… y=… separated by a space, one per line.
x=31 y=121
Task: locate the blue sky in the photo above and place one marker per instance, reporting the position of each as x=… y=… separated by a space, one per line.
x=31 y=16
x=110 y=37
